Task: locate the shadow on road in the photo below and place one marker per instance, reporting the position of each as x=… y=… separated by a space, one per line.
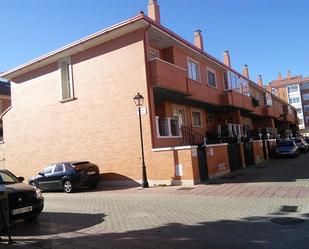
x=55 y=223
x=274 y=170
x=249 y=233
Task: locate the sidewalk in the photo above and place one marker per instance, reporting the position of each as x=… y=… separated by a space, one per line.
x=235 y=212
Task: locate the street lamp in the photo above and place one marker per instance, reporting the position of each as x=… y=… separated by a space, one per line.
x=139 y=100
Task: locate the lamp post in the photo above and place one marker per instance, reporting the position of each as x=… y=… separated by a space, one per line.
x=139 y=100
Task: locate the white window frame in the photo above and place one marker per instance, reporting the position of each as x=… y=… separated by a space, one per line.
x=67 y=61
x=293 y=88
x=208 y=69
x=293 y=102
x=198 y=68
x=200 y=113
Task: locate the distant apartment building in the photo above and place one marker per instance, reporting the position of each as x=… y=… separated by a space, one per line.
x=295 y=91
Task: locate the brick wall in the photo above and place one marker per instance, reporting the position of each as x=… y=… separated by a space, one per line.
x=258 y=151
x=101 y=125
x=217 y=160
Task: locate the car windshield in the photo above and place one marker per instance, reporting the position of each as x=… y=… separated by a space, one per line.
x=285 y=144
x=7 y=178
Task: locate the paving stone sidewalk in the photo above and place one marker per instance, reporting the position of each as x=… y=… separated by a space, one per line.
x=232 y=212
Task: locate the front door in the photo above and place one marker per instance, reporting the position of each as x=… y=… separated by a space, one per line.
x=179 y=114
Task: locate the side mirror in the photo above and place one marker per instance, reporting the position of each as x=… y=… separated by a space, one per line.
x=20 y=179
x=41 y=173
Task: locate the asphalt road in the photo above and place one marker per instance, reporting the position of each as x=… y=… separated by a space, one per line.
x=243 y=210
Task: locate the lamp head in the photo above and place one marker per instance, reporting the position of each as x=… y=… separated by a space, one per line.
x=138 y=99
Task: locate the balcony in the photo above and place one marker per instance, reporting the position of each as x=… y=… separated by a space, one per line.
x=166 y=75
x=237 y=99
x=268 y=111
x=288 y=114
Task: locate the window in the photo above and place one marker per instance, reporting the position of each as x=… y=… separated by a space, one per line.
x=48 y=170
x=307 y=119
x=274 y=91
x=251 y=92
x=289 y=109
x=299 y=111
x=210 y=118
x=179 y=114
x=268 y=99
x=293 y=100
x=306 y=96
x=66 y=78
x=153 y=54
x=196 y=119
x=301 y=122
x=211 y=77
x=193 y=70
x=306 y=108
x=226 y=81
x=5 y=177
x=293 y=88
x=304 y=86
x=67 y=167
x=58 y=168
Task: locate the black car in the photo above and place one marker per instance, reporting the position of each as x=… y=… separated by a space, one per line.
x=301 y=144
x=67 y=176
x=287 y=148
x=24 y=201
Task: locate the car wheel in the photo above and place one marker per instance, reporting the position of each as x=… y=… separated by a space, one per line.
x=33 y=184
x=67 y=186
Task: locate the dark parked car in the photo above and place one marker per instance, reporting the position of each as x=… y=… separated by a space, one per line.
x=301 y=144
x=67 y=176
x=286 y=148
x=25 y=202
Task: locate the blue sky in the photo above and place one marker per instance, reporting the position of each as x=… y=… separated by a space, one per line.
x=270 y=36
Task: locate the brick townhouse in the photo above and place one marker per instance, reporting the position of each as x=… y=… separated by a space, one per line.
x=294 y=89
x=76 y=103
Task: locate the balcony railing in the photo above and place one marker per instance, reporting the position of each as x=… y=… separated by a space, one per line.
x=168 y=128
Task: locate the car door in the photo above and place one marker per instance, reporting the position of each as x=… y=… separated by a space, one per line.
x=44 y=178
x=57 y=176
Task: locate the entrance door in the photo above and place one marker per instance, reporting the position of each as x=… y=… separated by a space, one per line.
x=234 y=156
x=202 y=163
x=248 y=151
x=179 y=114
